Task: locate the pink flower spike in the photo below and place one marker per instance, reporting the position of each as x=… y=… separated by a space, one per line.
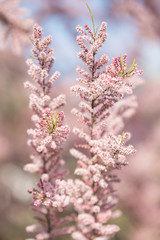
x=46 y=138
x=102 y=143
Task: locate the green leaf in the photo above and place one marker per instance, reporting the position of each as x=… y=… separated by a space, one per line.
x=132 y=67
x=92 y=19
x=31 y=40
x=122 y=65
x=56 y=119
x=51 y=117
x=33 y=57
x=97 y=28
x=121 y=61
x=122 y=139
x=48 y=122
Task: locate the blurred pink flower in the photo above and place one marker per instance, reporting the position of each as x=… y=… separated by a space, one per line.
x=14 y=25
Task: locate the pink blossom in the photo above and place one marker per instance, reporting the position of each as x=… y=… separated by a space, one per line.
x=46 y=139
x=104 y=107
x=102 y=112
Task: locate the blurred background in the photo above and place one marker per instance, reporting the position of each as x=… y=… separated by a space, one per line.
x=133 y=28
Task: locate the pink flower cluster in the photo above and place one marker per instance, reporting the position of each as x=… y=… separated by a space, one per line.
x=102 y=112
x=46 y=138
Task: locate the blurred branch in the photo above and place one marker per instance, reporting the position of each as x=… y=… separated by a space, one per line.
x=146 y=13
x=13 y=25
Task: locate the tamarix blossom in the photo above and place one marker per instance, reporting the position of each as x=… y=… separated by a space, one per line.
x=46 y=138
x=105 y=106
x=102 y=112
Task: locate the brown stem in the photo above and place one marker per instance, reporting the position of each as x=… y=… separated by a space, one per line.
x=92 y=119
x=48 y=219
x=44 y=89
x=92 y=103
